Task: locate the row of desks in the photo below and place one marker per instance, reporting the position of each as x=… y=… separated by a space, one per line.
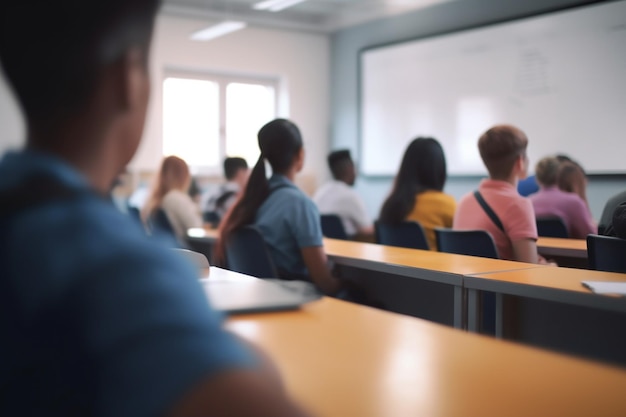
x=342 y=359
x=540 y=305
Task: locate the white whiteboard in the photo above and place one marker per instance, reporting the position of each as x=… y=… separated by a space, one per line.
x=560 y=77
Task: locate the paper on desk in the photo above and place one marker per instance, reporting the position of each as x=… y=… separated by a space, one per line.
x=604 y=287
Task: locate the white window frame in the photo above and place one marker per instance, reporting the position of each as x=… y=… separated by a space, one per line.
x=222 y=80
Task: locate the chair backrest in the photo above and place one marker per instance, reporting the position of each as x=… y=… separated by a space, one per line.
x=551 y=227
x=159 y=222
x=211 y=217
x=466 y=242
x=332 y=227
x=404 y=234
x=134 y=213
x=606 y=253
x=247 y=253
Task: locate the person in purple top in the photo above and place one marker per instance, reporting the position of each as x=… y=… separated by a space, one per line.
x=550 y=201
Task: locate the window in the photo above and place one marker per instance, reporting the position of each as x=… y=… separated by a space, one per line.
x=206 y=118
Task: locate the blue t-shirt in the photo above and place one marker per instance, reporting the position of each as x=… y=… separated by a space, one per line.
x=96 y=318
x=288 y=221
x=527 y=186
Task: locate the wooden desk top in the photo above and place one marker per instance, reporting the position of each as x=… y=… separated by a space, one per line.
x=367 y=254
x=343 y=360
x=551 y=283
x=548 y=246
x=572 y=248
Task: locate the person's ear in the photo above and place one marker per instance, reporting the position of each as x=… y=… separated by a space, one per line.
x=300 y=158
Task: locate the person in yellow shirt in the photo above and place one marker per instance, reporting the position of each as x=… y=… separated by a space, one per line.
x=417 y=193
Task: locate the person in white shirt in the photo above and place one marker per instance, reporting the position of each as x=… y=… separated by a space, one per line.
x=338 y=197
x=221 y=200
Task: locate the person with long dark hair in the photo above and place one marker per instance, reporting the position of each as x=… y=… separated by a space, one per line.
x=287 y=218
x=417 y=193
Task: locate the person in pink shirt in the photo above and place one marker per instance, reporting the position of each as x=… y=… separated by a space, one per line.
x=551 y=201
x=503 y=151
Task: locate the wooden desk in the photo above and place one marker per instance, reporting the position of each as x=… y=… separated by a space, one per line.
x=343 y=360
x=382 y=272
x=571 y=248
x=566 y=252
x=424 y=284
x=551 y=308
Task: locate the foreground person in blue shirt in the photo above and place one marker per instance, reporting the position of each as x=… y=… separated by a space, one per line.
x=96 y=320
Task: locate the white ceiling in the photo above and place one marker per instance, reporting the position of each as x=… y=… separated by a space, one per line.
x=322 y=16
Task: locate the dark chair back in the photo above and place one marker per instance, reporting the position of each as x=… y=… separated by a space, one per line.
x=247 y=253
x=332 y=227
x=606 y=253
x=472 y=243
x=211 y=217
x=466 y=242
x=134 y=213
x=405 y=234
x=551 y=227
x=160 y=223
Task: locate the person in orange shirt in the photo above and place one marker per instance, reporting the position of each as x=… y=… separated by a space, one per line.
x=417 y=194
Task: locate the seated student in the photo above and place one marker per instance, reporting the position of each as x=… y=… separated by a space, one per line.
x=572 y=178
x=170 y=195
x=503 y=151
x=417 y=193
x=551 y=201
x=338 y=197
x=617 y=227
x=609 y=209
x=97 y=319
x=527 y=186
x=287 y=218
x=236 y=172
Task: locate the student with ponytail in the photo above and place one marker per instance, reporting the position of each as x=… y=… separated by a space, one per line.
x=288 y=220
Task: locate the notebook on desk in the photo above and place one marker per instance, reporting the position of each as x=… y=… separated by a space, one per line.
x=256 y=295
x=600 y=287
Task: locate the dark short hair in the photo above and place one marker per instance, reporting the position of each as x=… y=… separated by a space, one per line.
x=500 y=147
x=232 y=165
x=338 y=162
x=52 y=51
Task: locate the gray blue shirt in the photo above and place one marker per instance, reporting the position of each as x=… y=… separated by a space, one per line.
x=288 y=221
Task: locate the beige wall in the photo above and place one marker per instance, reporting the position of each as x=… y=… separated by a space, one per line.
x=300 y=61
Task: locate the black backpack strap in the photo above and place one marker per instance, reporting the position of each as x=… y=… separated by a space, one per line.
x=492 y=215
x=35 y=191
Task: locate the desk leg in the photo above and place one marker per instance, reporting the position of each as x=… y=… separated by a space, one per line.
x=472 y=310
x=499 y=315
x=458 y=308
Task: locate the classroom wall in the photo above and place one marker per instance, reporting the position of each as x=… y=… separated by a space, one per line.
x=456 y=15
x=299 y=61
